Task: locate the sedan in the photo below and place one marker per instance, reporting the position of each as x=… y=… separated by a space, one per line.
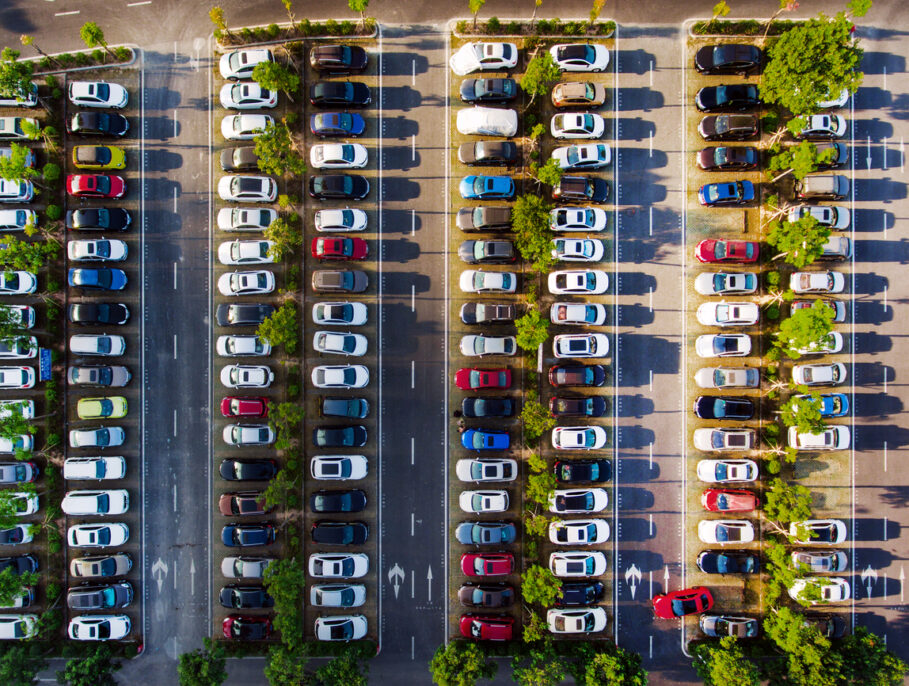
x=578 y=219
x=818 y=531
x=578 y=94
x=487 y=627
x=246 y=376
x=727 y=98
x=817 y=282
x=243 y=314
x=100 y=566
x=577 y=125
x=104 y=279
x=475 y=378
x=823 y=127
x=578 y=501
x=481 y=346
x=338 y=467
x=481 y=502
x=239 y=159
x=338 y=187
x=726 y=194
x=586 y=621
x=578 y=249
x=725 y=471
x=98 y=219
x=340 y=220
x=724 y=439
x=722 y=283
x=819 y=561
x=245 y=252
x=246 y=283
x=717 y=626
x=578 y=282
x=339 y=533
x=728 y=127
x=472 y=57
x=245 y=219
x=728 y=58
x=97 y=250
x=337 y=124
x=488 y=153
x=247 y=189
x=716 y=407
x=579 y=438
x=325 y=248
x=686 y=601
x=244 y=597
x=340 y=628
x=247 y=470
x=95 y=124
x=484 y=218
x=245 y=127
x=488 y=90
x=111 y=407
x=341 y=313
x=580 y=189
x=487 y=407
x=577 y=313
x=487 y=121
x=487 y=313
x=577 y=563
x=478 y=281
x=580 y=57
x=487 y=564
x=328 y=342
x=723 y=345
x=486 y=533
x=351 y=408
x=339 y=436
x=485 y=439
x=580 y=157
x=724 y=531
x=338 y=59
x=98 y=94
x=247 y=95
x=242 y=504
x=338 y=565
x=585 y=406
x=486 y=595
x=580 y=345
x=339 y=94
x=17 y=378
x=727 y=158
x=11 y=127
x=487 y=469
x=337 y=595
x=240 y=64
x=99 y=157
x=97 y=535
x=99 y=628
x=18 y=627
x=340 y=376
x=18 y=348
x=101 y=437
x=18 y=315
x=581 y=593
x=18 y=472
x=486 y=187
x=338 y=156
x=833 y=216
x=820 y=589
x=247 y=535
x=577 y=375
x=829 y=404
x=240 y=628
x=19 y=534
x=248 y=434
x=95 y=186
x=579 y=531
x=729 y=500
x=819 y=374
x=728 y=562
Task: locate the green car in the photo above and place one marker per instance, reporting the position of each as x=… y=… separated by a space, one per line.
x=113 y=407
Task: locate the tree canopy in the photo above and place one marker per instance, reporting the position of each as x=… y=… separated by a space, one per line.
x=540 y=586
x=461 y=663
x=18 y=667
x=203 y=666
x=801 y=241
x=95 y=666
x=277 y=151
x=803 y=413
x=276 y=77
x=533 y=329
x=617 y=668
x=808 y=327
x=533 y=236
x=15 y=76
x=724 y=663
x=539 y=76
x=281 y=328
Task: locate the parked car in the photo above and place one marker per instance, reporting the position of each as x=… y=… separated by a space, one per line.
x=486 y=627
x=339 y=436
x=820 y=589
x=481 y=56
x=245 y=127
x=338 y=565
x=340 y=376
x=100 y=437
x=729 y=500
x=725 y=471
x=99 y=157
x=99 y=627
x=487 y=407
x=589 y=620
x=104 y=597
x=243 y=628
x=246 y=345
x=587 y=125
x=739 y=252
x=84 y=503
x=487 y=469
x=339 y=94
x=244 y=567
x=582 y=471
x=819 y=374
x=723 y=345
x=245 y=219
x=487 y=313
x=584 y=406
x=726 y=194
x=482 y=502
x=823 y=127
x=337 y=124
x=339 y=248
x=483 y=187
x=82 y=124
x=728 y=127
x=484 y=218
x=97 y=535
x=97 y=94
x=727 y=58
x=728 y=562
x=578 y=500
x=578 y=219
x=338 y=467
x=243 y=314
x=578 y=94
x=726 y=158
x=340 y=628
x=239 y=64
x=727 y=377
x=723 y=440
x=103 y=279
x=488 y=153
x=247 y=96
x=488 y=90
x=579 y=437
x=577 y=564
x=485 y=533
x=724 y=531
x=581 y=593
x=818 y=531
x=339 y=533
x=820 y=561
x=100 y=566
x=581 y=189
x=487 y=121
x=341 y=313
x=240 y=597
x=578 y=249
x=339 y=281
x=338 y=59
x=248 y=434
x=721 y=407
x=350 y=408
x=727 y=98
x=247 y=535
x=478 y=281
x=833 y=216
x=247 y=470
x=349 y=500
x=245 y=188
x=92 y=186
x=717 y=626
x=94 y=468
x=337 y=595
x=822 y=187
x=817 y=282
x=578 y=282
x=338 y=156
x=489 y=595
x=468 y=379
x=578 y=314
x=578 y=531
x=577 y=375
x=580 y=57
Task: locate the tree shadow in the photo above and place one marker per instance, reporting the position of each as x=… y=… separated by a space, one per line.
x=634 y=315
x=404 y=63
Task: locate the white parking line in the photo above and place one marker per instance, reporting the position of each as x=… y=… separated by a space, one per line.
x=413 y=147
x=411 y=450
x=651 y=73
x=885 y=152
x=175 y=506
x=175 y=422
x=885 y=456
x=650 y=523
x=651 y=219
x=650 y=142
x=650 y=460
x=413 y=298
x=413 y=72
x=885 y=79
x=175 y=123
x=175 y=199
x=64 y=14
x=886 y=373
x=885 y=297
x=413 y=222
x=413 y=373
x=651 y=381
x=175 y=346
x=650 y=300
x=175 y=276
x=411 y=523
x=885 y=528
x=651 y=646
x=175 y=574
x=650 y=581
x=136 y=4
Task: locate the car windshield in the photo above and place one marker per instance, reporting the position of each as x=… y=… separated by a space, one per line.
x=590 y=439
x=589 y=566
x=586 y=122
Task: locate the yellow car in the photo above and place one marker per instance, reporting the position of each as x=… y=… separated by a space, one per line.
x=99 y=157
x=111 y=407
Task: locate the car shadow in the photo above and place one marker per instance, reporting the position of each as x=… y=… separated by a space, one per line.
x=876 y=405
x=635 y=283
x=633 y=406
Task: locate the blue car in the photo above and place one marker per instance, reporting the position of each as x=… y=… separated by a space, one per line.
x=481 y=439
x=487 y=187
x=730 y=193
x=103 y=279
x=832 y=404
x=337 y=124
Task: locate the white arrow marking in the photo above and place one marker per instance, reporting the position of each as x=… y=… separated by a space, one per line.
x=395 y=577
x=869 y=576
x=868 y=158
x=666 y=579
x=633 y=578
x=159 y=571
x=429 y=582
x=192 y=577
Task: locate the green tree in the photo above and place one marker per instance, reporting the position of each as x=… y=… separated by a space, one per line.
x=785 y=503
x=799 y=160
x=803 y=413
x=29 y=41
x=359 y=6
x=277 y=151
x=725 y=663
x=780 y=572
x=288 y=7
x=536 y=5
x=9 y=502
x=344 y=670
x=867 y=662
x=460 y=663
x=549 y=173
x=285 y=235
x=13 y=422
x=808 y=327
x=285 y=420
x=286 y=666
x=94 y=667
x=541 y=73
x=276 y=77
x=536 y=418
x=14 y=167
x=280 y=487
x=618 y=667
x=810 y=661
x=539 y=487
x=31 y=257
x=801 y=241
x=216 y=14
x=285 y=582
x=18 y=667
x=282 y=328
x=204 y=666
x=539 y=586
x=533 y=236
x=595 y=10
x=721 y=9
x=12 y=584
x=545 y=668
x=533 y=329
x=15 y=76
x=858 y=8
x=475 y=7
x=536 y=525
x=93 y=37
x=535 y=628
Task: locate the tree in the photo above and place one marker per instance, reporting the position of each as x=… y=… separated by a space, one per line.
x=725 y=663
x=536 y=418
x=285 y=420
x=475 y=7
x=460 y=664
x=280 y=487
x=539 y=76
x=15 y=166
x=288 y=7
x=533 y=236
x=810 y=660
x=785 y=503
x=285 y=234
x=204 y=666
x=536 y=525
x=94 y=667
x=286 y=666
x=595 y=10
x=13 y=422
x=18 y=667
x=546 y=667
x=801 y=241
x=535 y=628
x=15 y=76
x=858 y=8
x=12 y=584
x=549 y=173
x=618 y=667
x=276 y=77
x=539 y=487
x=285 y=582
x=811 y=62
x=277 y=152
x=867 y=662
x=31 y=257
x=540 y=586
x=800 y=160
x=359 y=6
x=343 y=670
x=780 y=572
x=721 y=9
x=536 y=5
x=93 y=37
x=9 y=502
x=785 y=6
x=808 y=327
x=803 y=413
x=533 y=329
x=216 y=14
x=281 y=328
x=29 y=41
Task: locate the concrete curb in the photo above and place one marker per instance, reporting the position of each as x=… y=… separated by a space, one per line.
x=134 y=49
x=452 y=23
x=688 y=24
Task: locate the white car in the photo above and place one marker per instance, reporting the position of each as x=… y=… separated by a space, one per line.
x=20 y=315
x=588 y=620
x=339 y=343
x=337 y=595
x=340 y=628
x=818 y=531
x=16 y=190
x=338 y=565
x=338 y=156
x=578 y=345
x=247 y=95
x=578 y=500
x=723 y=345
x=98 y=94
x=578 y=282
x=580 y=157
x=18 y=534
x=94 y=468
x=11 y=127
x=17 y=408
x=726 y=471
x=18 y=627
x=577 y=125
x=245 y=567
x=17 y=377
x=832 y=343
x=583 y=57
x=247 y=376
x=84 y=503
x=17 y=283
x=581 y=314
x=343 y=313
x=817 y=282
x=578 y=249
x=579 y=437
x=248 y=345
x=245 y=219
x=832 y=438
x=481 y=346
x=340 y=220
x=820 y=561
x=711 y=439
x=722 y=531
x=23 y=503
x=823 y=126
x=244 y=127
x=338 y=467
x=819 y=374
x=247 y=188
x=841 y=99
x=248 y=434
x=18 y=348
x=479 y=502
x=239 y=64
x=97 y=344
x=99 y=628
x=340 y=376
x=578 y=531
x=478 y=281
x=830 y=589
x=9 y=445
x=577 y=563
x=834 y=216
x=724 y=283
x=472 y=57
x=97 y=535
x=97 y=250
x=578 y=219
x=246 y=283
x=487 y=121
x=487 y=469
x=245 y=252
x=17 y=220
x=101 y=437
x=728 y=314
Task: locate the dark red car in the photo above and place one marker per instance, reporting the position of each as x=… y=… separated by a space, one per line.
x=487 y=627
x=738 y=252
x=470 y=379
x=687 y=601
x=242 y=503
x=250 y=406
x=327 y=248
x=487 y=564
x=95 y=185
x=243 y=628
x=729 y=500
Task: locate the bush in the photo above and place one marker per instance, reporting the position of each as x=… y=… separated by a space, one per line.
x=83 y=58
x=573 y=28
x=542 y=26
x=98 y=55
x=331 y=27
x=53 y=592
x=461 y=26
x=123 y=53
x=514 y=28
x=773 y=279
x=773 y=312
x=54 y=540
x=606 y=28
x=273 y=31
x=262 y=33
x=246 y=34
x=493 y=26
x=53 y=212
x=65 y=59
x=44 y=63
x=348 y=28
x=293 y=391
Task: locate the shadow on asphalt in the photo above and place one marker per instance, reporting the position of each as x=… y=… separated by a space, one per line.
x=900 y=107
x=635 y=283
x=165 y=99
x=162 y=221
x=869 y=284
x=633 y=159
x=400 y=250
x=873 y=374
x=882 y=251
x=635 y=315
x=641 y=189
x=876 y=62
x=635 y=129
x=873 y=220
x=400 y=98
x=874 y=529
x=404 y=63
x=879 y=190
x=638 y=251
x=876 y=405
x=874 y=438
x=397 y=189
x=875 y=128
x=399 y=283
x=403 y=221
x=634 y=61
x=636 y=405
x=662 y=354
x=643 y=98
x=632 y=498
x=872 y=342
x=163 y=160
x=635 y=529
x=637 y=471
x=161 y=128
x=401 y=157
x=895 y=496
x=872 y=98
x=395 y=127
x=634 y=437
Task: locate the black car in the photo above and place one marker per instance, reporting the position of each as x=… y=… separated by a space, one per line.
x=484 y=313
x=247 y=470
x=486 y=533
x=247 y=535
x=98 y=219
x=246 y=628
x=486 y=595
x=727 y=158
x=12 y=536
x=728 y=127
x=339 y=281
x=727 y=98
x=487 y=252
x=728 y=562
x=582 y=471
x=339 y=436
x=577 y=375
x=105 y=597
x=239 y=159
x=586 y=406
x=339 y=533
x=243 y=314
x=89 y=314
x=245 y=597
x=487 y=407
x=831 y=626
x=489 y=153
x=20 y=563
x=488 y=90
x=730 y=58
x=353 y=500
x=342 y=93
x=98 y=124
x=576 y=594
x=714 y=407
x=355 y=408
x=338 y=59
x=581 y=189
x=484 y=218
x=338 y=187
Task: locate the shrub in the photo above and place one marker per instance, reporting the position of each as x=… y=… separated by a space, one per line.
x=273 y=30
x=53 y=592
x=65 y=59
x=514 y=28
x=123 y=53
x=773 y=278
x=53 y=212
x=246 y=34
x=773 y=312
x=44 y=63
x=348 y=28
x=542 y=26
x=304 y=27
x=54 y=540
x=331 y=27
x=98 y=55
x=573 y=28
x=605 y=28
x=461 y=26
x=493 y=26
x=261 y=33
x=293 y=390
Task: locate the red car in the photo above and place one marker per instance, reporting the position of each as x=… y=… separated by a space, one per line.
x=95 y=185
x=251 y=406
x=688 y=601
x=339 y=248
x=243 y=503
x=738 y=252
x=487 y=627
x=243 y=628
x=470 y=379
x=729 y=500
x=487 y=564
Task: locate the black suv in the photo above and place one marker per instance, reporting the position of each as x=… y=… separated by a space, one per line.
x=339 y=533
x=104 y=597
x=89 y=314
x=98 y=124
x=338 y=59
x=243 y=314
x=98 y=219
x=339 y=93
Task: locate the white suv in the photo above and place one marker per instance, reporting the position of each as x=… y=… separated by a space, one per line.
x=97 y=344
x=80 y=503
x=94 y=468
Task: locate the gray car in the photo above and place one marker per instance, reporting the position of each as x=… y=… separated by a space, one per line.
x=98 y=566
x=355 y=408
x=339 y=281
x=104 y=597
x=98 y=375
